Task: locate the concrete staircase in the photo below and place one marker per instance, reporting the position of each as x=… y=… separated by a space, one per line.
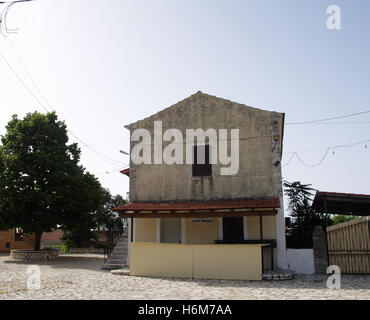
x=118 y=257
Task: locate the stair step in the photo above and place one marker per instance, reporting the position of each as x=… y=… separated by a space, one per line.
x=114 y=260
x=120 y=250
x=117 y=256
x=113 y=266
x=121 y=253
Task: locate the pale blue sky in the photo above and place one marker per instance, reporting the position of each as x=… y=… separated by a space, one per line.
x=104 y=64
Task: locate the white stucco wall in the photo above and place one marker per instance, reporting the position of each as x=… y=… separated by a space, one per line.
x=282 y=258
x=301 y=261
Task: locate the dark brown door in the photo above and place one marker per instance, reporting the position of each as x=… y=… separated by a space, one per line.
x=233 y=228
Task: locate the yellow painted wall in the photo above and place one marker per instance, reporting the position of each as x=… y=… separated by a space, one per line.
x=201 y=232
x=233 y=262
x=161 y=260
x=212 y=261
x=269 y=227
x=145 y=229
x=8 y=236
x=205 y=232
x=269 y=232
x=253 y=228
x=268 y=224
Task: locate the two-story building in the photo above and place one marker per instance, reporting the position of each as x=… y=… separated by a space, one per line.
x=211 y=206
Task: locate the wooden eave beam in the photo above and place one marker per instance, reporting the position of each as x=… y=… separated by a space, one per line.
x=194 y=213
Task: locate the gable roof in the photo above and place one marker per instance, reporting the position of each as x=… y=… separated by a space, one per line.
x=196 y=95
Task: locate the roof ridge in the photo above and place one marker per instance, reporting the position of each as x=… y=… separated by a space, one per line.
x=198 y=93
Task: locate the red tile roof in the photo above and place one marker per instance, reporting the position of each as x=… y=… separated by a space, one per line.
x=126 y=172
x=201 y=205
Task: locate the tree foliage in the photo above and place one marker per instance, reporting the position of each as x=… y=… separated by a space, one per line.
x=340 y=218
x=107 y=219
x=82 y=233
x=304 y=218
x=41 y=183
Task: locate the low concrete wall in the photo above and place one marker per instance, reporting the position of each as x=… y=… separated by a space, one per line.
x=46 y=254
x=200 y=261
x=301 y=261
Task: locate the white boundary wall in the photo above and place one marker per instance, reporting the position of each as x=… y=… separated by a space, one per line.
x=301 y=261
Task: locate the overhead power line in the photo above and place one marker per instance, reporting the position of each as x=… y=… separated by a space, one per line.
x=22 y=82
x=336 y=123
x=48 y=108
x=112 y=160
x=328 y=119
x=27 y=72
x=332 y=148
x=107 y=172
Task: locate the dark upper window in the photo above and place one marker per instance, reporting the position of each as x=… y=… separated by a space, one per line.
x=202 y=169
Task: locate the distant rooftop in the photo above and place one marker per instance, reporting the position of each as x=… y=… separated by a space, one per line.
x=342 y=203
x=126 y=172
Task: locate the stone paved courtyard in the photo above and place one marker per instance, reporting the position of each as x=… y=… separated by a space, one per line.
x=78 y=276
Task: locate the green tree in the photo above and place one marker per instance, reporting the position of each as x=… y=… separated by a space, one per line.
x=41 y=183
x=304 y=218
x=105 y=218
x=340 y=218
x=81 y=233
x=77 y=228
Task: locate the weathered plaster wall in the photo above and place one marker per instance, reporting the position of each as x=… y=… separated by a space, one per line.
x=257 y=176
x=259 y=173
x=277 y=127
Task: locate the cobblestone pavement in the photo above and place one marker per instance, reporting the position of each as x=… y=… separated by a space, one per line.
x=78 y=276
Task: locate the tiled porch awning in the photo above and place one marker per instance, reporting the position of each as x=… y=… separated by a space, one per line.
x=220 y=208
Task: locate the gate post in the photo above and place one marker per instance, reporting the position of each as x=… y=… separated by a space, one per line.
x=320 y=250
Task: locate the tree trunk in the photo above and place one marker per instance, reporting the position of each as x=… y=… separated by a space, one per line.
x=38 y=240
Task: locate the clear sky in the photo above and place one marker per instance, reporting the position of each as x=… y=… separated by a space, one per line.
x=104 y=64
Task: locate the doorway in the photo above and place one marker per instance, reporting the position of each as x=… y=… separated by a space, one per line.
x=233 y=228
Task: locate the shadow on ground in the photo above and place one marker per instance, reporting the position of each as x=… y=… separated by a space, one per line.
x=66 y=261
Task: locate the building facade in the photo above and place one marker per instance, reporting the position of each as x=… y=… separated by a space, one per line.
x=190 y=219
x=15 y=239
